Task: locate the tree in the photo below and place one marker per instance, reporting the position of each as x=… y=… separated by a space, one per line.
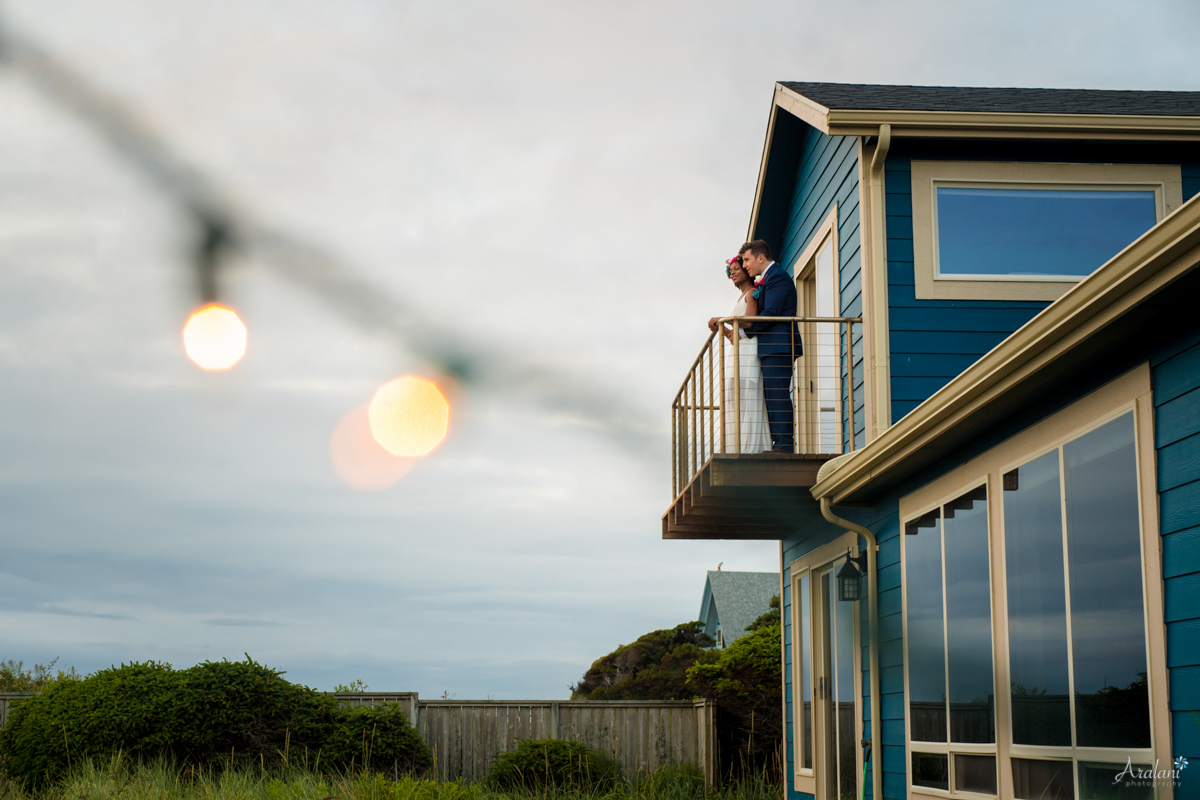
x=652 y=668
x=746 y=683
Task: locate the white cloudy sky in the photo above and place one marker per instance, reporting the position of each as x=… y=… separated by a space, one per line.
x=559 y=178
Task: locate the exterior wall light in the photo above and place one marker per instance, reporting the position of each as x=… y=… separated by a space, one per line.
x=849 y=578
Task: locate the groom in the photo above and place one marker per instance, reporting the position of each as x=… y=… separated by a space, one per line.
x=779 y=343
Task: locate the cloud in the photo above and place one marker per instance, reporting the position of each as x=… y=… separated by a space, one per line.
x=559 y=180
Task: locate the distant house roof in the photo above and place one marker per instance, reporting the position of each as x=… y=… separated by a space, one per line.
x=740 y=597
x=863 y=97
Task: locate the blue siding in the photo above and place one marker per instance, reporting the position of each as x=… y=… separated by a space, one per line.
x=1176 y=377
x=932 y=341
x=919 y=328
x=887 y=530
x=827 y=173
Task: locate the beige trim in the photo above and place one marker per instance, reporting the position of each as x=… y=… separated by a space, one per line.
x=812 y=781
x=1129 y=392
x=845 y=122
x=873 y=235
x=1163 y=254
x=803 y=272
x=762 y=172
x=802 y=108
x=1164 y=179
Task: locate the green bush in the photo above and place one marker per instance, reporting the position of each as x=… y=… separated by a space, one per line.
x=652 y=668
x=378 y=739
x=553 y=763
x=222 y=713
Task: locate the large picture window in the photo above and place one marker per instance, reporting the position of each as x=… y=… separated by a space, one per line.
x=1031 y=608
x=1028 y=231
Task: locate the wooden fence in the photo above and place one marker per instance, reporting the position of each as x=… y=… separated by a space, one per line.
x=464 y=736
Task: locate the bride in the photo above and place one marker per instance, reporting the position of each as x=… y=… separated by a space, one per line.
x=756 y=437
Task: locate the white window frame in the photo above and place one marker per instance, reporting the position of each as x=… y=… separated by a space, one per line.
x=1129 y=393
x=811 y=780
x=1165 y=180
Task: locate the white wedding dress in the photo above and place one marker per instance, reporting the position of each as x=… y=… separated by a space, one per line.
x=756 y=435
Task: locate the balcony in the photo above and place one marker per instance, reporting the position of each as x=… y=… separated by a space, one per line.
x=726 y=482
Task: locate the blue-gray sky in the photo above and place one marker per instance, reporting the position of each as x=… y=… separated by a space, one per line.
x=563 y=179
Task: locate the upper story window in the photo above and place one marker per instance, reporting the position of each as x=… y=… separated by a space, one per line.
x=1028 y=231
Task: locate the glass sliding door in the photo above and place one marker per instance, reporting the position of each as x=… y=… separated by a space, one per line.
x=837 y=707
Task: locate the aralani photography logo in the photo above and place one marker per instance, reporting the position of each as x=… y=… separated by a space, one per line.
x=1142 y=775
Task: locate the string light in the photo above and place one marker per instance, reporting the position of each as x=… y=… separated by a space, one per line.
x=214 y=337
x=409 y=416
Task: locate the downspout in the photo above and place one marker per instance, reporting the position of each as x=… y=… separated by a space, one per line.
x=873 y=621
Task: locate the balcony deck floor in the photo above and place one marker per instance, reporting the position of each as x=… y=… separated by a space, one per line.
x=759 y=496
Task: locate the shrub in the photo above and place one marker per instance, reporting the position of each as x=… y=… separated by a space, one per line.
x=15 y=678
x=747 y=685
x=216 y=713
x=545 y=763
x=652 y=668
x=378 y=739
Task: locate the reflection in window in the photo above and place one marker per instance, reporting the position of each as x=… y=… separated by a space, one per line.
x=1107 y=620
x=1043 y=780
x=926 y=635
x=969 y=619
x=806 y=757
x=999 y=232
x=975 y=774
x=1101 y=782
x=1037 y=616
x=1108 y=630
x=950 y=679
x=931 y=769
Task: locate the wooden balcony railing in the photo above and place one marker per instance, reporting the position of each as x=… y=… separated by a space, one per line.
x=720 y=409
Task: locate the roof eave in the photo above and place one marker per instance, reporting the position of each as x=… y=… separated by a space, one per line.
x=844 y=122
x=1160 y=256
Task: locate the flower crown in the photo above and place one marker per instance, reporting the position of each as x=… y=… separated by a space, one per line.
x=736 y=261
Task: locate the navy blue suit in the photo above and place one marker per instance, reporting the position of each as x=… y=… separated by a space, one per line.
x=779 y=346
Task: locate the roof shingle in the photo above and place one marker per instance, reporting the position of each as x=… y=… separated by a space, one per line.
x=876 y=97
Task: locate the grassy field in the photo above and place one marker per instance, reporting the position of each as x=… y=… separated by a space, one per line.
x=119 y=779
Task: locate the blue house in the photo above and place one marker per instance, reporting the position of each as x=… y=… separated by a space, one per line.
x=998 y=423
x=731 y=601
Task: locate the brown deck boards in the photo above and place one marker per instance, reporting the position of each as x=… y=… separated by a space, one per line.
x=760 y=496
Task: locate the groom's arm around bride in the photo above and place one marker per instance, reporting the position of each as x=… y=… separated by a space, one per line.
x=779 y=343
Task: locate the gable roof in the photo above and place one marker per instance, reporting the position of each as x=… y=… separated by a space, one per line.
x=856 y=109
x=863 y=96
x=741 y=598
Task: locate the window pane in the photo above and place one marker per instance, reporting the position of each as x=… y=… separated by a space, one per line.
x=930 y=769
x=842 y=621
x=975 y=774
x=1037 y=231
x=1108 y=630
x=1043 y=780
x=1037 y=618
x=805 y=675
x=926 y=641
x=1100 y=782
x=969 y=619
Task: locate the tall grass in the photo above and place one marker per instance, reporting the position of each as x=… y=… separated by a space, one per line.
x=161 y=780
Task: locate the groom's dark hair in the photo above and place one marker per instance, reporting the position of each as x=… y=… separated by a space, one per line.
x=757 y=248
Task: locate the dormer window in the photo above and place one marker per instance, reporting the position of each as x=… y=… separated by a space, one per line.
x=1028 y=231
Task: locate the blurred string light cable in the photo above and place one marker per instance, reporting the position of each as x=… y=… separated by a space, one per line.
x=224 y=228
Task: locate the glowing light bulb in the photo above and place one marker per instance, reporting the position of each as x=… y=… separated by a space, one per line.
x=214 y=337
x=409 y=416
